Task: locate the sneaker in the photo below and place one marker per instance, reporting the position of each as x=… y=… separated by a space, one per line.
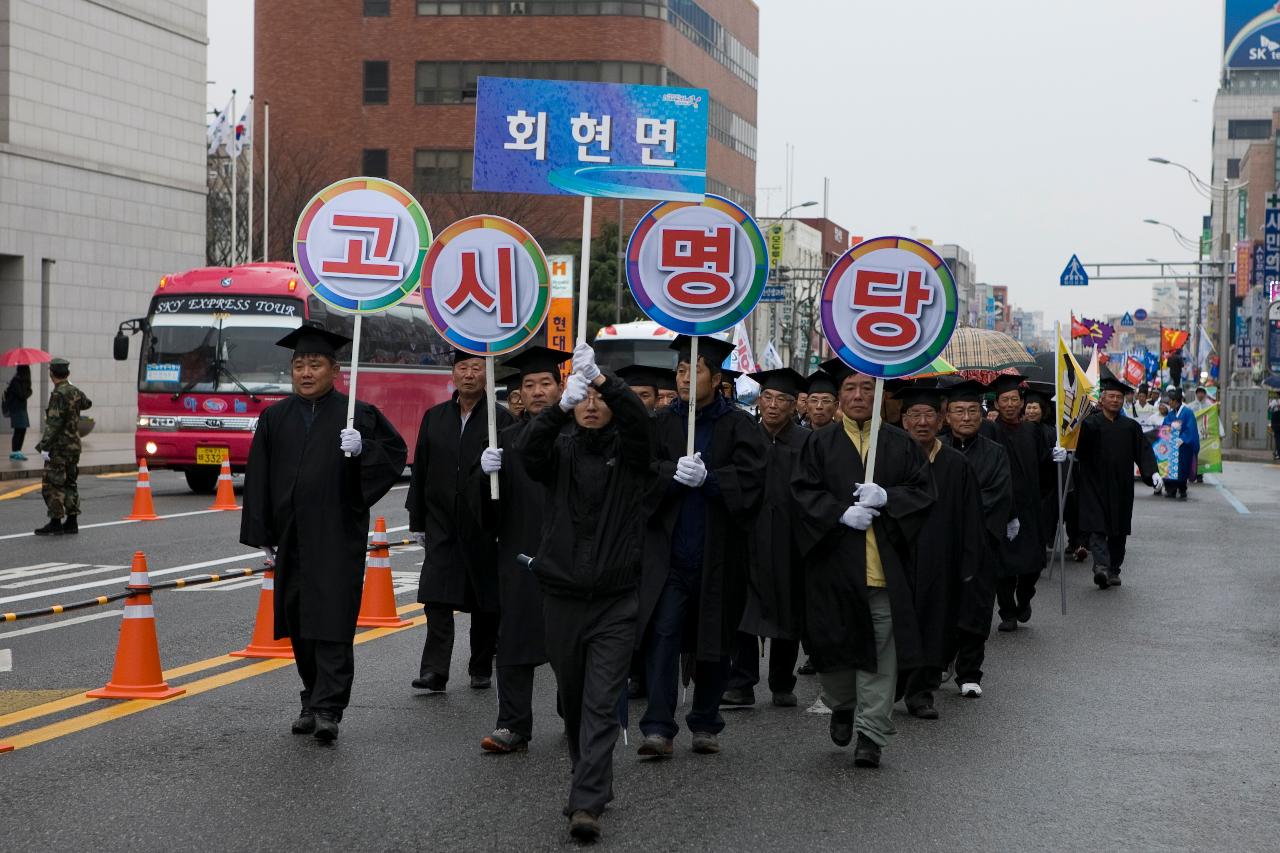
x=305 y=724
x=806 y=668
x=432 y=681
x=584 y=827
x=1007 y=625
x=326 y=728
x=1100 y=578
x=18 y=456
x=503 y=741
x=481 y=682
x=866 y=753
x=785 y=700
x=818 y=707
x=1113 y=578
x=705 y=743
x=971 y=690
x=71 y=526
x=924 y=710
x=655 y=746
x=841 y=727
x=53 y=528
x=738 y=697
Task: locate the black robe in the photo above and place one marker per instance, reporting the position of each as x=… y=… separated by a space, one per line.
x=737 y=460
x=1034 y=476
x=1105 y=455
x=949 y=554
x=303 y=496
x=990 y=464
x=838 y=632
x=460 y=565
x=775 y=595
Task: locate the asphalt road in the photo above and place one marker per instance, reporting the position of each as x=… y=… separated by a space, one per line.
x=1144 y=719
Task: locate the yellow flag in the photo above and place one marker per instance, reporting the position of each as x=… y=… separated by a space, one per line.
x=1074 y=396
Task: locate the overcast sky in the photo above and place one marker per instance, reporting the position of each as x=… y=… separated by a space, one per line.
x=1016 y=128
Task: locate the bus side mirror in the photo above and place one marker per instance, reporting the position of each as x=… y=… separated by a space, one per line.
x=120 y=347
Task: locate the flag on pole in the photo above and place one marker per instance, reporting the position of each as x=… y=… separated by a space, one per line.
x=770 y=359
x=1172 y=340
x=741 y=359
x=1134 y=371
x=219 y=132
x=1074 y=395
x=242 y=132
x=1078 y=328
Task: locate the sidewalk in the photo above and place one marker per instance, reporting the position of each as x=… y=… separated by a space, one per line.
x=1236 y=454
x=100 y=453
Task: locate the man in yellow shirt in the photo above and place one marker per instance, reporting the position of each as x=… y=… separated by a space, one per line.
x=856 y=536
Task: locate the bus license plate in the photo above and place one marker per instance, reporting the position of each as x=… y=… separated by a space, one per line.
x=212 y=455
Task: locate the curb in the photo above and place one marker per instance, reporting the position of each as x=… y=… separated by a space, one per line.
x=37 y=473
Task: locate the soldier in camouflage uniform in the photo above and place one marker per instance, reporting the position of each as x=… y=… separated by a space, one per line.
x=60 y=447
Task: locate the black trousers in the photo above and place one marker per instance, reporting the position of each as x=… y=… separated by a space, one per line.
x=515 y=698
x=1108 y=551
x=1015 y=592
x=967 y=649
x=327 y=668
x=589 y=644
x=745 y=671
x=19 y=436
x=437 y=651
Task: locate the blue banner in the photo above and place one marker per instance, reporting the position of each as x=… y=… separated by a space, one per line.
x=1271 y=238
x=1251 y=35
x=599 y=139
x=1259 y=261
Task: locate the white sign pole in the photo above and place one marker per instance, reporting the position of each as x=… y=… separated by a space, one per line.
x=491 y=409
x=693 y=390
x=355 y=372
x=584 y=278
x=266 y=179
x=231 y=150
x=877 y=402
x=248 y=255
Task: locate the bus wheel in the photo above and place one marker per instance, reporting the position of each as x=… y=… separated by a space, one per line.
x=202 y=479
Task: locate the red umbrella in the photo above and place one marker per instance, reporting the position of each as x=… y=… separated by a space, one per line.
x=24 y=355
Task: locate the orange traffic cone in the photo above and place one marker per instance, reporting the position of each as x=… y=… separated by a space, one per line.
x=143 y=508
x=137 y=673
x=378 y=603
x=226 y=497
x=4 y=747
x=263 y=643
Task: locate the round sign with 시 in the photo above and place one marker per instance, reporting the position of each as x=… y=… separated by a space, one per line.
x=889 y=307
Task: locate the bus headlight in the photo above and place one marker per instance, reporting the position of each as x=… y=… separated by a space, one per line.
x=151 y=448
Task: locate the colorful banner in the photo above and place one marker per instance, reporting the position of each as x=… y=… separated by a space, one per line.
x=1078 y=328
x=1134 y=371
x=560 y=312
x=1244 y=267
x=1210 y=440
x=1250 y=34
x=1172 y=340
x=556 y=137
x=1074 y=396
x=1166 y=450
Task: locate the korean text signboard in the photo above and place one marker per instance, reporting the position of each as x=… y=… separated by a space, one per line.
x=1244 y=264
x=1271 y=238
x=592 y=139
x=560 y=314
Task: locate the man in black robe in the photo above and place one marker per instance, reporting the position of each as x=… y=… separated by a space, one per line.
x=1031 y=464
x=517 y=516
x=459 y=569
x=856 y=537
x=1109 y=446
x=774 y=596
x=823 y=400
x=696 y=544
x=308 y=487
x=644 y=381
x=990 y=464
x=949 y=552
x=593 y=454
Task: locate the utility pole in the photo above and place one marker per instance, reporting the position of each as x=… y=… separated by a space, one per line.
x=1226 y=352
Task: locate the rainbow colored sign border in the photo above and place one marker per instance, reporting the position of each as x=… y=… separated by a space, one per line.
x=326 y=294
x=708 y=327
x=531 y=247
x=894 y=369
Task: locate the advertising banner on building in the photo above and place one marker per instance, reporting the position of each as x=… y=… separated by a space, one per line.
x=1251 y=35
x=1244 y=267
x=560 y=312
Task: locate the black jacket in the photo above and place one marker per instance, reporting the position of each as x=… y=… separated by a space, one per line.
x=595 y=480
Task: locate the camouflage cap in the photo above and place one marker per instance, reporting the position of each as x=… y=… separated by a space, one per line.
x=59 y=362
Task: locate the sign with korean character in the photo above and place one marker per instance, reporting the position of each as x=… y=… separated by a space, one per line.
x=560 y=313
x=889 y=307
x=1244 y=263
x=486 y=285
x=594 y=139
x=360 y=243
x=1271 y=238
x=697 y=269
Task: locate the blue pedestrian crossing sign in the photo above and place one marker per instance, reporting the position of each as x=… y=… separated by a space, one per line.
x=1126 y=320
x=1074 y=274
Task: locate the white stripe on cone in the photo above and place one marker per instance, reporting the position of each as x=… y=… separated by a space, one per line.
x=138 y=579
x=268 y=583
x=139 y=611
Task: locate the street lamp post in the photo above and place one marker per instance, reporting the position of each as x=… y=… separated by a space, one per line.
x=775 y=317
x=1193 y=330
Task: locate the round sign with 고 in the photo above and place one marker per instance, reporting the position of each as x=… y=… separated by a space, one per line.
x=889 y=307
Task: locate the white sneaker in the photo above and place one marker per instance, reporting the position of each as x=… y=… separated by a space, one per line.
x=818 y=707
x=970 y=690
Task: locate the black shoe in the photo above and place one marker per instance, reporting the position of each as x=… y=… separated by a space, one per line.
x=1182 y=496
x=1007 y=625
x=738 y=697
x=841 y=727
x=1100 y=578
x=71 y=526
x=305 y=724
x=1024 y=613
x=1113 y=578
x=655 y=746
x=433 y=681
x=53 y=528
x=481 y=682
x=326 y=728
x=504 y=741
x=785 y=700
x=866 y=753
x=806 y=668
x=584 y=827
x=635 y=689
x=923 y=710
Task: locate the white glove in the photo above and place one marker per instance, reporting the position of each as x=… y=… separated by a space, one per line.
x=1156 y=482
x=491 y=460
x=691 y=471
x=269 y=556
x=1012 y=528
x=870 y=495
x=858 y=517
x=44 y=454
x=349 y=441
x=419 y=537
x=584 y=362
x=575 y=391
x=1059 y=454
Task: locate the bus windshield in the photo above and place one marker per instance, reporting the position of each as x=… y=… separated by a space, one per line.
x=208 y=353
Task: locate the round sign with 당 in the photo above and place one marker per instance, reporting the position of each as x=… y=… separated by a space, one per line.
x=889 y=307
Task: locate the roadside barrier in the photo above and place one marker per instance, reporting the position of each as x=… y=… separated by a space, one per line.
x=226 y=497
x=137 y=672
x=143 y=507
x=263 y=642
x=378 y=602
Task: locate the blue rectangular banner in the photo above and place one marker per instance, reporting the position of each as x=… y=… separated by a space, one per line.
x=1271 y=238
x=1251 y=34
x=557 y=137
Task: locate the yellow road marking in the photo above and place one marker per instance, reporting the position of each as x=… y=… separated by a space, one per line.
x=117 y=475
x=16 y=700
x=19 y=492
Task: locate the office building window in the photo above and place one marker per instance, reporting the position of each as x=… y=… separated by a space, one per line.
x=441 y=171
x=377 y=8
x=731 y=129
x=745 y=201
x=1249 y=128
x=377 y=78
x=374 y=163
x=1233 y=169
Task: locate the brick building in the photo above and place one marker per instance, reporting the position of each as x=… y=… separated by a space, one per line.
x=387 y=88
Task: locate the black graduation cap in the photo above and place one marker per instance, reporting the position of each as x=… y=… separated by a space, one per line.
x=821 y=382
x=1110 y=383
x=783 y=380
x=537 y=359
x=642 y=374
x=837 y=370
x=967 y=391
x=462 y=355
x=1006 y=382
x=727 y=375
x=925 y=394
x=313 y=340
x=1041 y=392
x=711 y=350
